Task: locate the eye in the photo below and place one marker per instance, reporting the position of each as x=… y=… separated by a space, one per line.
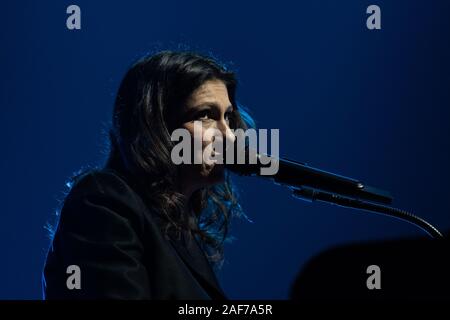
x=203 y=115
x=229 y=115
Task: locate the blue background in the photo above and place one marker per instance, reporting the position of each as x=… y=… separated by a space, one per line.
x=372 y=105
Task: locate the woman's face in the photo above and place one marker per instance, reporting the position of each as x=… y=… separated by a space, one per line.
x=209 y=106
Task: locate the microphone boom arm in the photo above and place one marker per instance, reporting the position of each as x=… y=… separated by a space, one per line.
x=310 y=194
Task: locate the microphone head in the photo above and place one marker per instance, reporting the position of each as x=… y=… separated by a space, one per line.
x=243 y=160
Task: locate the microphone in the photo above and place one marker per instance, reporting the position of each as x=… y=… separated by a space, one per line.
x=300 y=176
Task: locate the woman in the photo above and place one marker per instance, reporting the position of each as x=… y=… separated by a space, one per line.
x=142 y=227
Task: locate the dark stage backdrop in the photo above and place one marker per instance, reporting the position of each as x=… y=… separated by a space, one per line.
x=369 y=104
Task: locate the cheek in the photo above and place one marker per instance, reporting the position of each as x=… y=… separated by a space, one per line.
x=199 y=143
x=201 y=138
x=206 y=140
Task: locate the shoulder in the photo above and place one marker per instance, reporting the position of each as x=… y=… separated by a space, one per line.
x=100 y=182
x=100 y=195
x=101 y=229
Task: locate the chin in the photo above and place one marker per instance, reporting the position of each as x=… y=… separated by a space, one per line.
x=215 y=174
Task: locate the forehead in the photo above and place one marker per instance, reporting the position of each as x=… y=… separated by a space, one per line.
x=210 y=91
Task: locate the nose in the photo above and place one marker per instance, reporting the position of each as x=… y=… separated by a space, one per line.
x=227 y=133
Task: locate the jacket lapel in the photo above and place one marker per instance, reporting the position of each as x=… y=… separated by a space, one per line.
x=194 y=257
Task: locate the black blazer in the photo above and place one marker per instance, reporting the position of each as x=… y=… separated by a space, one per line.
x=107 y=230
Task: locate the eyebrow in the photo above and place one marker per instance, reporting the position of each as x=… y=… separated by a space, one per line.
x=210 y=103
x=189 y=112
x=205 y=105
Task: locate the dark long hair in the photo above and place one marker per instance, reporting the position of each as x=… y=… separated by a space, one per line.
x=150 y=96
